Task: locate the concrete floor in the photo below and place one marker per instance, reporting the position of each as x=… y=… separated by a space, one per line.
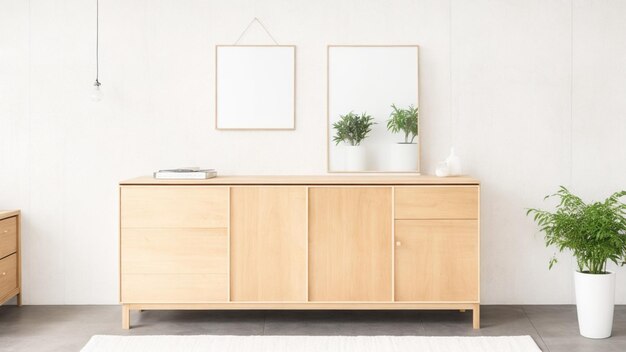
x=68 y=328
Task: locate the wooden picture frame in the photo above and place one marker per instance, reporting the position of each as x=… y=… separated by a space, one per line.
x=238 y=105
x=329 y=146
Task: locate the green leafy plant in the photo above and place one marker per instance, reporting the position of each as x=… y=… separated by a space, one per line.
x=404 y=120
x=595 y=233
x=352 y=128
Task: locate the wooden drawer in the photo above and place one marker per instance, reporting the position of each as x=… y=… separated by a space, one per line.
x=8 y=236
x=436 y=202
x=436 y=260
x=174 y=207
x=8 y=275
x=174 y=288
x=170 y=251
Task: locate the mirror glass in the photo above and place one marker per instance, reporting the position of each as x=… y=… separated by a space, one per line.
x=365 y=83
x=255 y=87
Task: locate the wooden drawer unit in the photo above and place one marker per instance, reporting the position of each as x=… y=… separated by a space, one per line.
x=8 y=275
x=436 y=202
x=8 y=236
x=10 y=256
x=436 y=260
x=174 y=207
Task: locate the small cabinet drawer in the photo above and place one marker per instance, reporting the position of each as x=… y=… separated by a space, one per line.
x=174 y=207
x=436 y=202
x=8 y=275
x=8 y=236
x=174 y=288
x=174 y=251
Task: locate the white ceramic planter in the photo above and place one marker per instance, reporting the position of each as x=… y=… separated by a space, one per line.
x=404 y=157
x=595 y=300
x=355 y=158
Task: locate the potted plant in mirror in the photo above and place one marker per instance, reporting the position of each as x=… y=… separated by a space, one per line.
x=352 y=129
x=404 y=155
x=595 y=233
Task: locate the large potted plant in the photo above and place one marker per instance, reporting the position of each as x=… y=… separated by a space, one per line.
x=404 y=155
x=595 y=234
x=352 y=129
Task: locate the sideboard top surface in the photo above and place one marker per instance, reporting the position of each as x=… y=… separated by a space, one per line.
x=310 y=180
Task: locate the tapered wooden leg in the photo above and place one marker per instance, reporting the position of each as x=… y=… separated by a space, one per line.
x=125 y=317
x=19 y=300
x=476 y=316
x=462 y=310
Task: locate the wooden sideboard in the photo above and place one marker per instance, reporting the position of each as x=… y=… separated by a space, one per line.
x=300 y=242
x=10 y=261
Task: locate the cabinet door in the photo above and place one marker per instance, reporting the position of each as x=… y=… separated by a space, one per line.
x=436 y=260
x=350 y=244
x=268 y=243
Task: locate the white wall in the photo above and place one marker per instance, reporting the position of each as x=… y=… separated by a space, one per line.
x=500 y=80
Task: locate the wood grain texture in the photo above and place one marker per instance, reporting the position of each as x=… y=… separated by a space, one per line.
x=8 y=236
x=8 y=275
x=436 y=260
x=174 y=207
x=436 y=202
x=174 y=288
x=268 y=238
x=311 y=180
x=169 y=251
x=350 y=244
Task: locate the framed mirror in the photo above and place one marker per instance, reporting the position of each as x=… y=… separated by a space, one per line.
x=255 y=87
x=369 y=85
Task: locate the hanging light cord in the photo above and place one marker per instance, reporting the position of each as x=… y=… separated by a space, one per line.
x=97 y=83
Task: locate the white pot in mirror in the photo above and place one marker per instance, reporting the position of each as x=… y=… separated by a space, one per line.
x=355 y=158
x=404 y=157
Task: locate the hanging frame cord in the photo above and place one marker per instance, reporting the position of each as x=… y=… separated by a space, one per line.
x=262 y=26
x=97 y=83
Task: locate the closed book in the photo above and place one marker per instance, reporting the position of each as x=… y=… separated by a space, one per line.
x=185 y=175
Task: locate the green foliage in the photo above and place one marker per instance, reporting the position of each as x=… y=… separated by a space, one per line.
x=352 y=128
x=595 y=233
x=404 y=120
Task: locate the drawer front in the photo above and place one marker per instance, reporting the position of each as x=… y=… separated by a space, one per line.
x=8 y=236
x=436 y=260
x=8 y=274
x=171 y=251
x=174 y=207
x=174 y=288
x=436 y=202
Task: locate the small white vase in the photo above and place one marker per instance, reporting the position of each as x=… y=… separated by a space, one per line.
x=595 y=301
x=454 y=164
x=404 y=157
x=355 y=158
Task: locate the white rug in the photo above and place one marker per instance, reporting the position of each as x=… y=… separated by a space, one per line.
x=207 y=343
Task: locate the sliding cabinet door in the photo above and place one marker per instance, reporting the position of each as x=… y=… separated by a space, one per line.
x=350 y=244
x=268 y=243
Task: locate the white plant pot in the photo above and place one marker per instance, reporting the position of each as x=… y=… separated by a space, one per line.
x=595 y=300
x=404 y=157
x=355 y=158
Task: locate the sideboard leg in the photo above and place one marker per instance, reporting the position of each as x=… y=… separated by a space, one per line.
x=19 y=299
x=125 y=317
x=476 y=316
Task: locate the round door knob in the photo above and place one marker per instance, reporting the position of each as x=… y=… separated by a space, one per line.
x=398 y=243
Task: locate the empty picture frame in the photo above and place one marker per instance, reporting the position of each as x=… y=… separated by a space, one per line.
x=255 y=87
x=368 y=79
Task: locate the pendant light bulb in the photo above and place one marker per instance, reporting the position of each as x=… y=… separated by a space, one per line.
x=96 y=93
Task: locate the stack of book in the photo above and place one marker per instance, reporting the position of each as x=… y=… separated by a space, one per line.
x=188 y=173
